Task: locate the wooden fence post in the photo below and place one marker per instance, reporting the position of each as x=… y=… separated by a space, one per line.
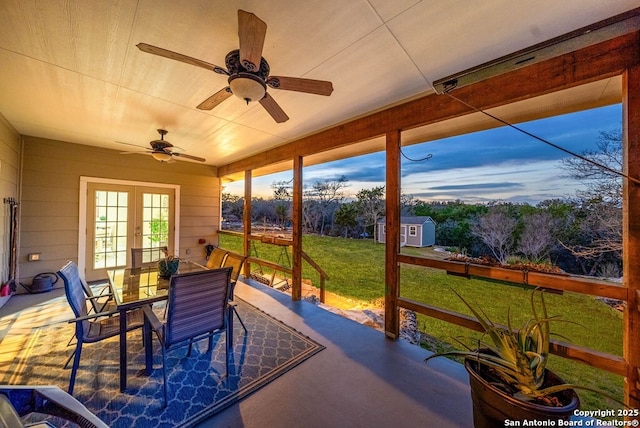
x=631 y=231
x=392 y=240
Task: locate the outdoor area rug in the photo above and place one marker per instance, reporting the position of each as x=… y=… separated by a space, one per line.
x=198 y=387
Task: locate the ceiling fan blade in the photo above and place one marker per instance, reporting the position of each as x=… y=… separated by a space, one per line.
x=251 y=32
x=132 y=145
x=215 y=99
x=136 y=153
x=311 y=86
x=179 y=57
x=272 y=107
x=195 y=158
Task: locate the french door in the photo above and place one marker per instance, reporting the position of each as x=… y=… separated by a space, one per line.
x=120 y=217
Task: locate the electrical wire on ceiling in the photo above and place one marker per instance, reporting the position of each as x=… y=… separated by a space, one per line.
x=427 y=157
x=569 y=152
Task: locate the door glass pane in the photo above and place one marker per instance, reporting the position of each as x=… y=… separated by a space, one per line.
x=110 y=246
x=155 y=225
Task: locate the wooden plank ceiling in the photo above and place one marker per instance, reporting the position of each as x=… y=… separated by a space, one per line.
x=71 y=70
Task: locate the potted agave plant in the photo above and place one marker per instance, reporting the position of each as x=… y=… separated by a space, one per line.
x=168 y=266
x=508 y=375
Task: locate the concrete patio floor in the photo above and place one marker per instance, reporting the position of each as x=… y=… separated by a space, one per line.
x=361 y=379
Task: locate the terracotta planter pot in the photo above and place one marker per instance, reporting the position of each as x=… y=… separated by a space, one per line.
x=492 y=407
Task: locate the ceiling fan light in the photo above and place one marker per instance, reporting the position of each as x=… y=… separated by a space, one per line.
x=247 y=87
x=161 y=156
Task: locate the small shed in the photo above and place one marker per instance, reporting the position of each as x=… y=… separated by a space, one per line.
x=415 y=231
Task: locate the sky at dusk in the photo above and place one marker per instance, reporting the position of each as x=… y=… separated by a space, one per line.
x=498 y=164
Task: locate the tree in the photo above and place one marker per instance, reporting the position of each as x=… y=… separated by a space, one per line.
x=282 y=190
x=407 y=204
x=232 y=207
x=536 y=237
x=346 y=217
x=496 y=229
x=282 y=213
x=597 y=238
x=371 y=206
x=599 y=182
x=454 y=233
x=326 y=195
x=599 y=224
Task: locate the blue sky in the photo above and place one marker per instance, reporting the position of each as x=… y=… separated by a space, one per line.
x=497 y=164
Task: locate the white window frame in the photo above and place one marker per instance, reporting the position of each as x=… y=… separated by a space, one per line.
x=82 y=237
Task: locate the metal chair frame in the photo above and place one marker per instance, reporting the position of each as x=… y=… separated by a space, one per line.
x=198 y=308
x=90 y=328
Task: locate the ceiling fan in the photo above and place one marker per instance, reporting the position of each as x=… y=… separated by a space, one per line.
x=247 y=71
x=163 y=151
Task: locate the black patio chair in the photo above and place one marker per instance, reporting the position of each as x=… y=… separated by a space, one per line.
x=198 y=309
x=235 y=261
x=90 y=328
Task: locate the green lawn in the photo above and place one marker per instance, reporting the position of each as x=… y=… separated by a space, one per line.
x=356 y=270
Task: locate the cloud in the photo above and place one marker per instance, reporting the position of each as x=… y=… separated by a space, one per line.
x=478 y=186
x=575 y=132
x=497 y=164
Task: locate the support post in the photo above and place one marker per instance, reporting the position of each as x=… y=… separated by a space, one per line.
x=631 y=231
x=296 y=246
x=246 y=221
x=392 y=237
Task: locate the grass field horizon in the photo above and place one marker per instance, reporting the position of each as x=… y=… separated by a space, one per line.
x=356 y=270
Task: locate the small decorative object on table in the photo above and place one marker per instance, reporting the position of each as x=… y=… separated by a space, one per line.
x=168 y=266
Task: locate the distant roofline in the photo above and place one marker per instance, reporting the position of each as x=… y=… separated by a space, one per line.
x=416 y=219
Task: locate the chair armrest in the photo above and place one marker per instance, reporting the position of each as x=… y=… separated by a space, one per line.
x=105 y=287
x=8 y=415
x=156 y=325
x=92 y=316
x=50 y=400
x=100 y=296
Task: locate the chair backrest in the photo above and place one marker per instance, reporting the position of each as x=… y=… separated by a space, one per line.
x=137 y=257
x=216 y=258
x=197 y=304
x=73 y=268
x=74 y=290
x=235 y=261
x=46 y=400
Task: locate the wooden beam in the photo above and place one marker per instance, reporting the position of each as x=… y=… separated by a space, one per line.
x=631 y=231
x=576 y=284
x=609 y=362
x=596 y=62
x=246 y=221
x=271 y=265
x=392 y=237
x=296 y=245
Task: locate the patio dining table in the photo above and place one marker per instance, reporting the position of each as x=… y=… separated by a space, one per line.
x=136 y=287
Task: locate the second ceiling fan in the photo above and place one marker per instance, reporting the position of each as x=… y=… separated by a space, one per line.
x=247 y=71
